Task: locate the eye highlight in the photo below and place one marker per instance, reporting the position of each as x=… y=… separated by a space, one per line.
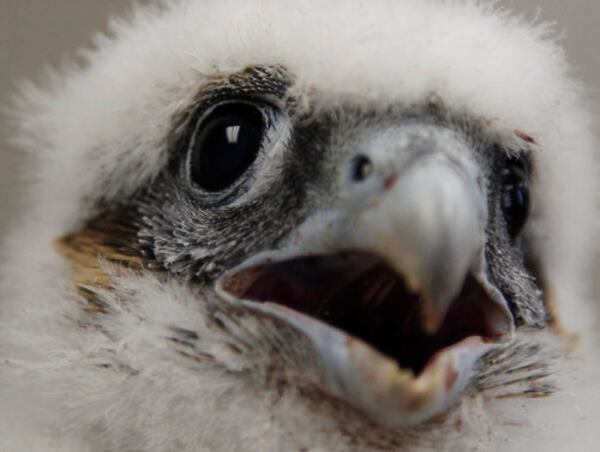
x=225 y=144
x=514 y=199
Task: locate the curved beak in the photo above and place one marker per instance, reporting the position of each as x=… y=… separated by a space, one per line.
x=429 y=226
x=410 y=239
x=427 y=221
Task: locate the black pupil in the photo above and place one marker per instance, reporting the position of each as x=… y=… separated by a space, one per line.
x=515 y=195
x=225 y=145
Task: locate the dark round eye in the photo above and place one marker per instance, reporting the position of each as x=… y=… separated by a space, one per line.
x=515 y=195
x=225 y=144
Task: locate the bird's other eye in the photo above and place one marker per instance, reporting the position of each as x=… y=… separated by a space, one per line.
x=515 y=194
x=225 y=144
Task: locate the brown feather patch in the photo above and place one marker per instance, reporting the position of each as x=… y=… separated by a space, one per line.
x=98 y=251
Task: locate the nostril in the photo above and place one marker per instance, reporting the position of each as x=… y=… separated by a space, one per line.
x=362 y=168
x=390 y=181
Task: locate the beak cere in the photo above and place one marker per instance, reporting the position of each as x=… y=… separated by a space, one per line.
x=393 y=295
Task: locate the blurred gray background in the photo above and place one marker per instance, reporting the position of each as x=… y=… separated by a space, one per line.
x=37 y=33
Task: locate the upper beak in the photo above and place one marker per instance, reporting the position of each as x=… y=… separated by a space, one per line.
x=426 y=218
x=429 y=226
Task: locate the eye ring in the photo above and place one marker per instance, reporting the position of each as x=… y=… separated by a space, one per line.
x=225 y=143
x=515 y=196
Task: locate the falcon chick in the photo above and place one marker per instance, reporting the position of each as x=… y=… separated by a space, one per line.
x=302 y=226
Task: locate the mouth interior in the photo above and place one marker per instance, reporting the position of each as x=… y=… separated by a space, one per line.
x=361 y=295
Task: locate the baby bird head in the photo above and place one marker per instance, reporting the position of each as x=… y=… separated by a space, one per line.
x=335 y=224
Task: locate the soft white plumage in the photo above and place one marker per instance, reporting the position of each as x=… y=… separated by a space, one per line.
x=96 y=135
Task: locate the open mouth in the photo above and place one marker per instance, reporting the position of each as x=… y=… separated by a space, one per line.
x=362 y=296
x=369 y=329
